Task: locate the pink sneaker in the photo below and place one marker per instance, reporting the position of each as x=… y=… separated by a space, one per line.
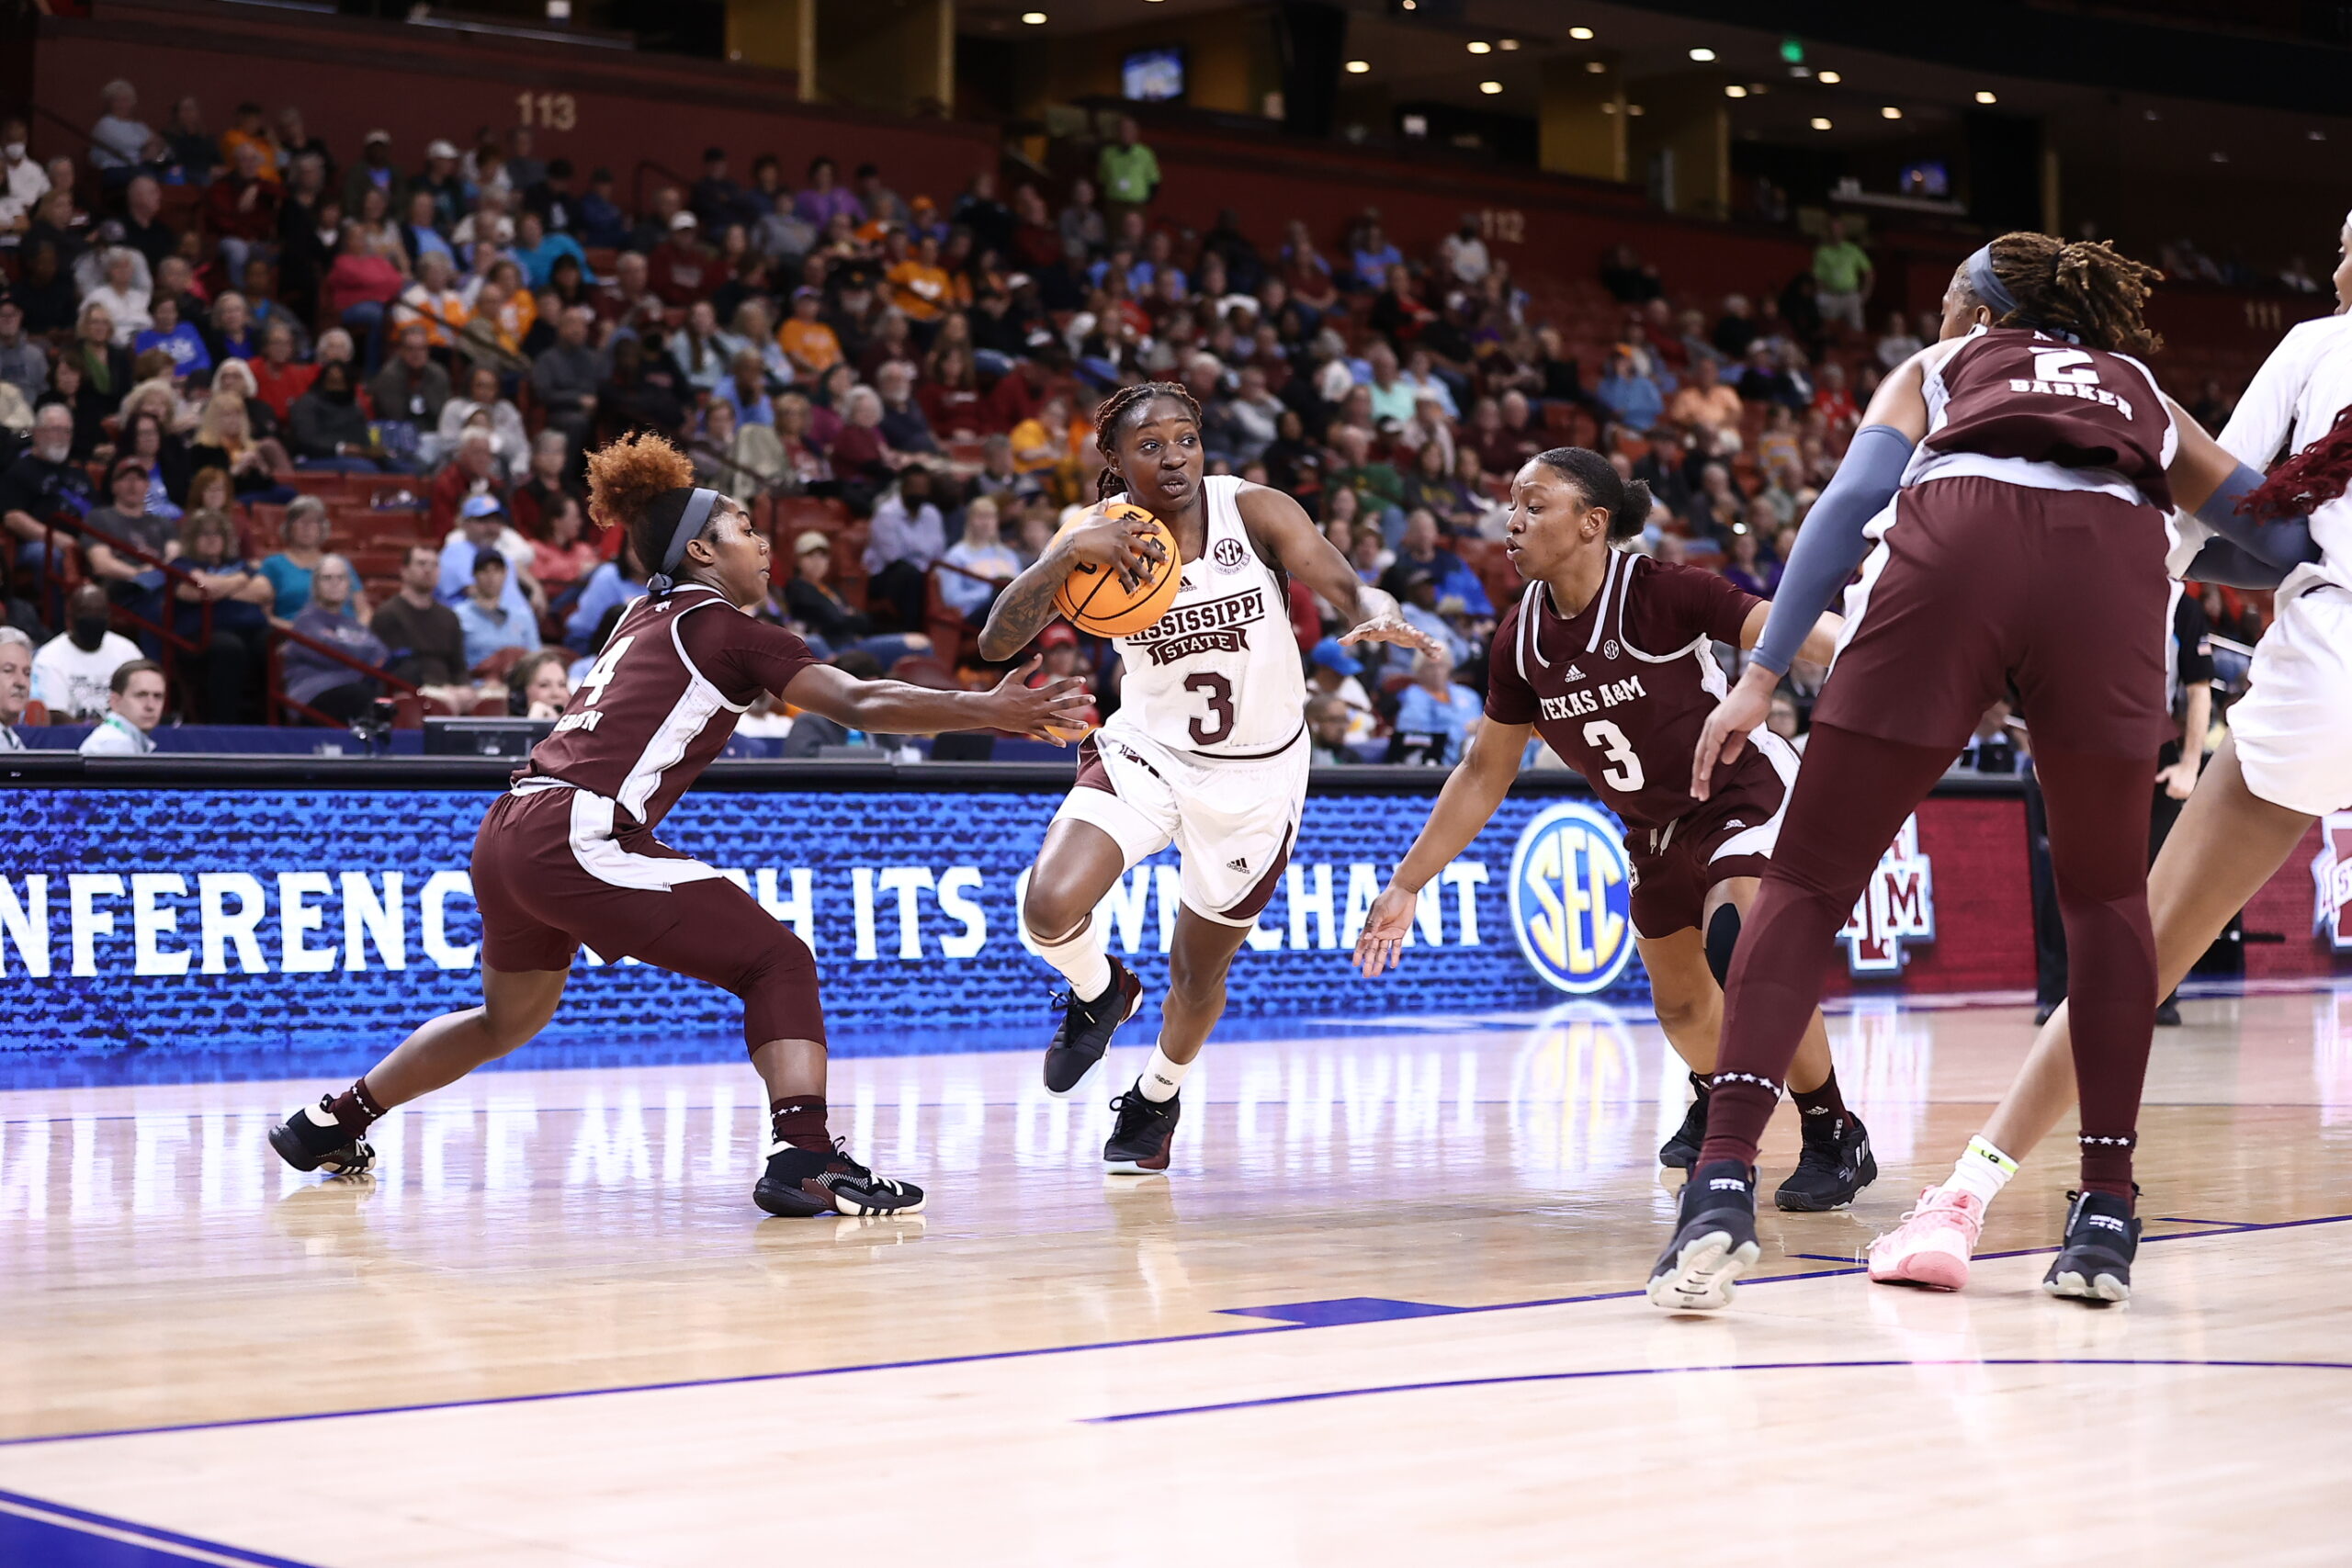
x=1933 y=1244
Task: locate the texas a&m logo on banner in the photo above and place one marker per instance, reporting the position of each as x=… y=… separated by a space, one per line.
x=2331 y=881
x=1897 y=905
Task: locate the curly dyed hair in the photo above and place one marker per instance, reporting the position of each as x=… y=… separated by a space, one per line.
x=1114 y=411
x=2083 y=286
x=640 y=484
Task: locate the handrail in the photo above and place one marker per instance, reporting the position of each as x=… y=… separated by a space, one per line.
x=281 y=635
x=637 y=181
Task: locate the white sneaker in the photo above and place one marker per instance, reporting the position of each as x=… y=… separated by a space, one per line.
x=1933 y=1244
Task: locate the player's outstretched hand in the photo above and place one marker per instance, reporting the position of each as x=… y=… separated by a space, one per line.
x=1125 y=545
x=1041 y=712
x=1725 y=734
x=1384 y=932
x=1392 y=627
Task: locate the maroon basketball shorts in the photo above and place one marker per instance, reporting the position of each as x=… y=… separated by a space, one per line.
x=551 y=871
x=1982 y=586
x=1729 y=834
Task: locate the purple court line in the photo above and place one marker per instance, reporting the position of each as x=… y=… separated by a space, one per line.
x=1507 y=1381
x=41 y=1510
x=974 y=1359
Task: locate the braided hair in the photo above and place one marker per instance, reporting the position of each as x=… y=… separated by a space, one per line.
x=2309 y=480
x=2083 y=286
x=1627 y=502
x=1115 y=409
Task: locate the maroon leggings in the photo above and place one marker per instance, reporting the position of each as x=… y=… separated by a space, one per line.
x=1850 y=799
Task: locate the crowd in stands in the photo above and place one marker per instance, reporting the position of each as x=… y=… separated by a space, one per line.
x=202 y=333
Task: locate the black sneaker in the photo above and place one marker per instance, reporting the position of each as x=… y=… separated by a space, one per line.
x=1138 y=1144
x=1680 y=1151
x=800 y=1183
x=312 y=1140
x=2042 y=1012
x=2094 y=1265
x=1836 y=1163
x=1714 y=1240
x=1085 y=1031
x=2168 y=1013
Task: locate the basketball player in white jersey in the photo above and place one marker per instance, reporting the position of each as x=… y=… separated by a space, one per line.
x=1208 y=750
x=2286 y=761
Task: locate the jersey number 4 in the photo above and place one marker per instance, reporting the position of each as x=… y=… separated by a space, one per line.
x=1220 y=722
x=1623 y=772
x=600 y=675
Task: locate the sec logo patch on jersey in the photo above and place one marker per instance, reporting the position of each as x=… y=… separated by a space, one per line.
x=1230 y=555
x=1571 y=898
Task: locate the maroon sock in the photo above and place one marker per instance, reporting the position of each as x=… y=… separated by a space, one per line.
x=800 y=1121
x=354 y=1109
x=2106 y=1164
x=1821 y=1106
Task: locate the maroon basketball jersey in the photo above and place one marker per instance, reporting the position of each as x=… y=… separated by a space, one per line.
x=2014 y=392
x=1621 y=689
x=663 y=698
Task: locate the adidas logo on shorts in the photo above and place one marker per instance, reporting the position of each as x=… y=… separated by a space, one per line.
x=1237 y=865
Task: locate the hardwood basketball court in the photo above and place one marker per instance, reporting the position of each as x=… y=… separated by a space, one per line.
x=1387 y=1305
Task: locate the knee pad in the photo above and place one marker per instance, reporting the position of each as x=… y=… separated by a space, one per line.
x=1723 y=936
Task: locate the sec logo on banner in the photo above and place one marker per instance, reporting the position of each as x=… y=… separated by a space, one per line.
x=1571 y=893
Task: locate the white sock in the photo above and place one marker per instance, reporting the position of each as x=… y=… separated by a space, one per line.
x=1082 y=959
x=1160 y=1078
x=1982 y=1172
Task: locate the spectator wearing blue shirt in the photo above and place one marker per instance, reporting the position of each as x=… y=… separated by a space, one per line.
x=484 y=523
x=1435 y=715
x=745 y=389
x=1631 y=398
x=598 y=220
x=537 y=251
x=615 y=582
x=175 y=338
x=1419 y=609
x=1373 y=257
x=489 y=618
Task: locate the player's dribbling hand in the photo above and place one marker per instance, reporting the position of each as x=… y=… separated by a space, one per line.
x=1384 y=932
x=1725 y=734
x=1125 y=545
x=1049 y=712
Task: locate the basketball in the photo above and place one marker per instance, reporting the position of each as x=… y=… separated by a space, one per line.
x=1094 y=599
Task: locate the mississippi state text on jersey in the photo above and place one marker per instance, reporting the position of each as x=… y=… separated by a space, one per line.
x=1219 y=674
x=1625 y=716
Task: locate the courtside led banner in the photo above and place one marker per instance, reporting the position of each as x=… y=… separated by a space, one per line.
x=219 y=916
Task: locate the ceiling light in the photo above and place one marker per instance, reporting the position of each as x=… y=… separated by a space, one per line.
x=1596 y=66
x=2150 y=114
x=1984 y=97
x=1480 y=46
x=1410 y=5
x=1829 y=76
x=1358 y=67
x=1702 y=54
x=1507 y=45
x=1608 y=108
x=2219 y=156
x=1490 y=88
x=1582 y=35
x=2315 y=135
x=1890 y=112
x=1801 y=71
x=1034 y=18
x=1819 y=123
x=1734 y=91
x=1635 y=109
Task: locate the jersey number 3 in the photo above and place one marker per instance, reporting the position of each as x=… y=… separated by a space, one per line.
x=1219 y=723
x=601 y=675
x=1623 y=772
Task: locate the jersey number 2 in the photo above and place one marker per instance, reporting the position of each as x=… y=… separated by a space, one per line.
x=1219 y=692
x=1623 y=773
x=601 y=675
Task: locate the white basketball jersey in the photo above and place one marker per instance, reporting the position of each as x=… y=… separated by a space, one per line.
x=1220 y=675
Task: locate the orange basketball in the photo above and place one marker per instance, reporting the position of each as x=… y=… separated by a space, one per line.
x=1094 y=599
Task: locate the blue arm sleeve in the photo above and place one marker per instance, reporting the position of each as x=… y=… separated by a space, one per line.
x=2284 y=542
x=1830 y=545
x=2222 y=562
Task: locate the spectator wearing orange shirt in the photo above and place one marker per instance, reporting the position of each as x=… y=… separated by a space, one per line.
x=806 y=340
x=918 y=285
x=433 y=302
x=1705 y=401
x=251 y=128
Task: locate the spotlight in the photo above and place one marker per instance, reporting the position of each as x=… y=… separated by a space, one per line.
x=1702 y=54
x=1829 y=76
x=1582 y=35
x=1984 y=97
x=1890 y=112
x=1358 y=67
x=1819 y=123
x=1490 y=88
x=1480 y=46
x=1734 y=91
